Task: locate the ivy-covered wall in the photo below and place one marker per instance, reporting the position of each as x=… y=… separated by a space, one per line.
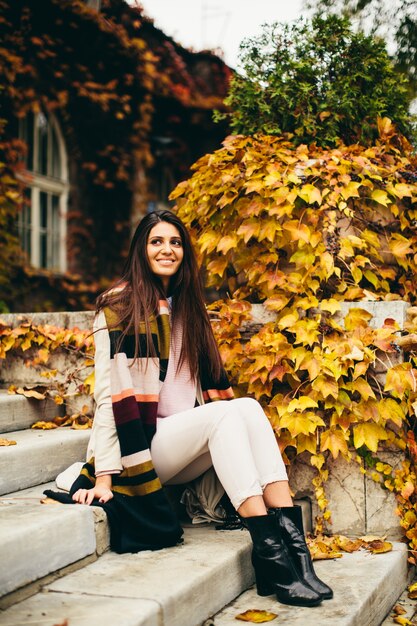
x=127 y=99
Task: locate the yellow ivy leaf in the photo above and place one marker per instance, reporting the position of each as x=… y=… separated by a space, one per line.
x=401 y=190
x=351 y=190
x=360 y=369
x=256 y=616
x=326 y=386
x=331 y=305
x=43 y=355
x=412 y=591
x=301 y=404
x=307 y=442
x=380 y=196
x=317 y=460
x=89 y=382
x=403 y=621
x=334 y=441
x=363 y=387
x=407 y=490
x=357 y=317
x=327 y=263
x=372 y=278
x=378 y=546
x=31 y=393
x=268 y=230
x=217 y=266
x=41 y=425
x=310 y=194
x=8 y=342
x=7 y=442
x=288 y=320
x=249 y=229
x=208 y=241
x=297 y=230
x=400 y=378
x=400 y=246
x=321 y=549
x=356 y=274
x=301 y=423
x=385 y=127
x=179 y=190
x=49 y=374
x=348 y=545
x=391 y=410
x=226 y=243
x=368 y=434
x=276 y=302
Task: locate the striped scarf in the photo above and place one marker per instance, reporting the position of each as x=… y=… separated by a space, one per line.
x=139 y=514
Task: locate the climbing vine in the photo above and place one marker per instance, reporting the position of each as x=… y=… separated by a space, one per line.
x=99 y=72
x=300 y=229
x=37 y=346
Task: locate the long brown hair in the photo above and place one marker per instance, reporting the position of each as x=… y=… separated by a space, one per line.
x=135 y=298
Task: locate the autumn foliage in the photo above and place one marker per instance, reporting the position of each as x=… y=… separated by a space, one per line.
x=103 y=74
x=301 y=229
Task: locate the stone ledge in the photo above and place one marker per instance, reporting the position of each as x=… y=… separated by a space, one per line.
x=359 y=506
x=37 y=540
x=365 y=588
x=178 y=586
x=18 y=412
x=39 y=456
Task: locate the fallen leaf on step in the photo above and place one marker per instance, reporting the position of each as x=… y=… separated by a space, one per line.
x=323 y=548
x=7 y=442
x=44 y=425
x=378 y=546
x=256 y=616
x=399 y=610
x=31 y=393
x=64 y=623
x=348 y=545
x=49 y=501
x=412 y=591
x=404 y=621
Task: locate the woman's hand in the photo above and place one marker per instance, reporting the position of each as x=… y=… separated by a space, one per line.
x=101 y=492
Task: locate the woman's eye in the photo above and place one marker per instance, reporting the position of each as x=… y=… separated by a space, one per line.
x=177 y=242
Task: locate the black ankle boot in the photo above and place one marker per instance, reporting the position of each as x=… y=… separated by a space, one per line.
x=290 y=523
x=274 y=569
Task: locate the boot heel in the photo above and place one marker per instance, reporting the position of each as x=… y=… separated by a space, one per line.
x=263 y=587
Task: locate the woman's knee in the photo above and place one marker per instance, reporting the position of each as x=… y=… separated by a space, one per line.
x=247 y=406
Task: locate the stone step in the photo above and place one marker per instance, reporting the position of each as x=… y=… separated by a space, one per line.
x=18 y=412
x=39 y=539
x=39 y=455
x=365 y=587
x=185 y=585
x=179 y=586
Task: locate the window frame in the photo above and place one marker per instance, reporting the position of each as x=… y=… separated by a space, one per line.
x=39 y=183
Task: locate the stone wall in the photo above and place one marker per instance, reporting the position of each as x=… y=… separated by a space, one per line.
x=359 y=506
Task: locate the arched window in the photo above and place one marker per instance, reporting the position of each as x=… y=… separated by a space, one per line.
x=42 y=222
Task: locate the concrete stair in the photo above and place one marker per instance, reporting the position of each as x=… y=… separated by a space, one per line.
x=188 y=584
x=38 y=540
x=55 y=565
x=39 y=455
x=18 y=412
x=365 y=588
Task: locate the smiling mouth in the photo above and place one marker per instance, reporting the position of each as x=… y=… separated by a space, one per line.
x=166 y=261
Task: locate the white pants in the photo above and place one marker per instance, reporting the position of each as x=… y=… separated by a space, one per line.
x=234 y=436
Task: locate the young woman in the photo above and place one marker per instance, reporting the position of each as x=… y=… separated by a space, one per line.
x=158 y=371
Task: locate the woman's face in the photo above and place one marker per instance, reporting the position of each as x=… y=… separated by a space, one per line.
x=165 y=251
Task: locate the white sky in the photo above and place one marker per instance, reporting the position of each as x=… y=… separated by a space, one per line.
x=202 y=24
